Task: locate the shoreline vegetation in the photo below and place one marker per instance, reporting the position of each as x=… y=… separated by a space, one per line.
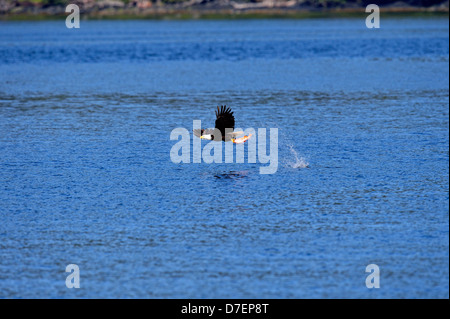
x=215 y=9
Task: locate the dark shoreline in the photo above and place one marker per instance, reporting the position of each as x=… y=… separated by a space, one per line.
x=222 y=15
x=177 y=12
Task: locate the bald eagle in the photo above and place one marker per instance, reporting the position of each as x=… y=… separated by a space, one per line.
x=225 y=125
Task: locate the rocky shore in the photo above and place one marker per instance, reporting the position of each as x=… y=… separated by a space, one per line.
x=29 y=9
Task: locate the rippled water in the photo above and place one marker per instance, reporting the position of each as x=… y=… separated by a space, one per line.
x=86 y=175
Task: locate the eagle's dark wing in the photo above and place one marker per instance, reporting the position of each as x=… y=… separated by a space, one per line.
x=224 y=119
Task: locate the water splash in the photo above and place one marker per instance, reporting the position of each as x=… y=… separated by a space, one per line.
x=299 y=161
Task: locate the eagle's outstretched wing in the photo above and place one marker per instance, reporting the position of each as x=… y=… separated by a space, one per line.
x=224 y=119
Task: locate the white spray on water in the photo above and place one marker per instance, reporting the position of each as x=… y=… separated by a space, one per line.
x=299 y=162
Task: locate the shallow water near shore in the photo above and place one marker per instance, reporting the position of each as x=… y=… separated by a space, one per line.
x=87 y=179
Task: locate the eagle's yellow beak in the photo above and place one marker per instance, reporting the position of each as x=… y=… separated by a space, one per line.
x=202 y=137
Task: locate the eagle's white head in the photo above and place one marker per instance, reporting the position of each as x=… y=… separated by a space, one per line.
x=206 y=137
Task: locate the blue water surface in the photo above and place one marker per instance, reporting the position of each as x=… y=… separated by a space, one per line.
x=86 y=175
